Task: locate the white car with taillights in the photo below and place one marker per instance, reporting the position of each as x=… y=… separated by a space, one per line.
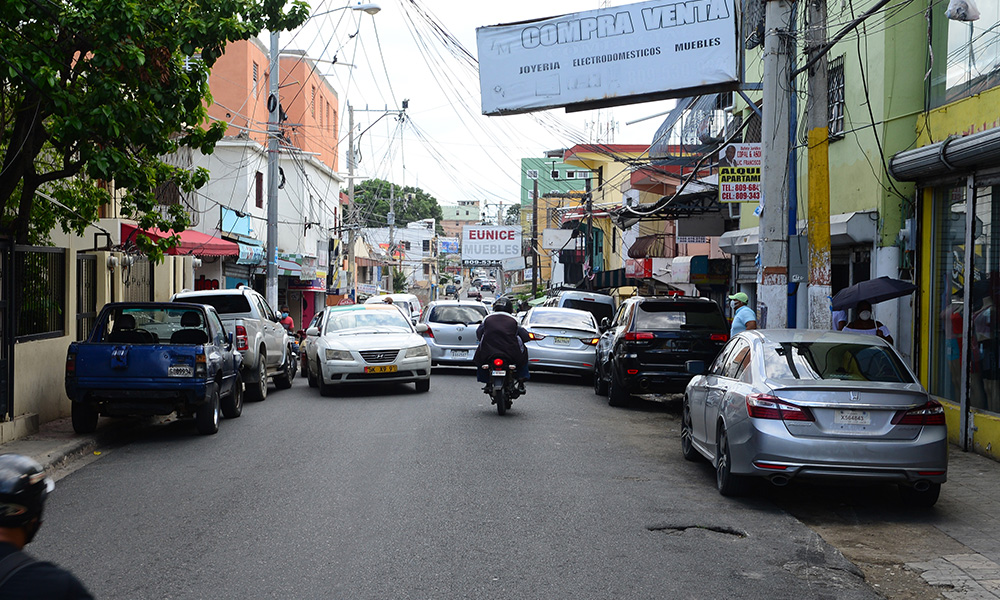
x=367 y=343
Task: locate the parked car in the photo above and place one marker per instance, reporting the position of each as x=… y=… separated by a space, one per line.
x=409 y=303
x=790 y=404
x=562 y=339
x=366 y=343
x=451 y=330
x=265 y=345
x=451 y=289
x=304 y=343
x=645 y=347
x=155 y=358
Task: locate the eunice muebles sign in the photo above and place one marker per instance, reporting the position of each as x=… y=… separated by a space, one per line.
x=489 y=244
x=610 y=56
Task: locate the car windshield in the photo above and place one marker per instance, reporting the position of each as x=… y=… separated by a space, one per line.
x=837 y=361
x=679 y=315
x=560 y=318
x=600 y=310
x=457 y=315
x=367 y=321
x=225 y=304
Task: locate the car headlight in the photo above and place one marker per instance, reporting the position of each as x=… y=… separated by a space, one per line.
x=417 y=351
x=332 y=354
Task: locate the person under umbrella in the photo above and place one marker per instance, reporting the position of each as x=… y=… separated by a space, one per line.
x=865 y=324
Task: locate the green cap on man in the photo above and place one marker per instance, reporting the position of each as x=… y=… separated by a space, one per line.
x=740 y=297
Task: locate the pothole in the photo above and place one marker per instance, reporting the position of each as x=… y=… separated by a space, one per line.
x=676 y=529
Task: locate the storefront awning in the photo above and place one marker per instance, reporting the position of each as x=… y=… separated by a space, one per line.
x=613 y=279
x=845 y=230
x=191 y=242
x=953 y=156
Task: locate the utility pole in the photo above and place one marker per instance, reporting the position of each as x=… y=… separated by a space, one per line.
x=534 y=240
x=351 y=268
x=391 y=220
x=820 y=316
x=589 y=242
x=273 y=131
x=772 y=308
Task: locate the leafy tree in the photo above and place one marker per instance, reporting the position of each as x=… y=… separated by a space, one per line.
x=411 y=204
x=98 y=91
x=398 y=281
x=513 y=215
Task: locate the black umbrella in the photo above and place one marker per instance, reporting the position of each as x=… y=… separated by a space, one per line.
x=873 y=290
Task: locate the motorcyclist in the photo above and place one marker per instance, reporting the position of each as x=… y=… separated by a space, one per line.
x=23 y=489
x=500 y=334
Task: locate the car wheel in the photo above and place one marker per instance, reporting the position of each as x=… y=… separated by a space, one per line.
x=600 y=386
x=207 y=416
x=303 y=364
x=257 y=388
x=925 y=499
x=687 y=443
x=232 y=406
x=84 y=418
x=284 y=380
x=728 y=483
x=617 y=393
x=423 y=385
x=310 y=376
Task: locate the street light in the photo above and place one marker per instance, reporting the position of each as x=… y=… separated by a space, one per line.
x=273 y=131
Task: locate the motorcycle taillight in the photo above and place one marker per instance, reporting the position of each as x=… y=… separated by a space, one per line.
x=498 y=362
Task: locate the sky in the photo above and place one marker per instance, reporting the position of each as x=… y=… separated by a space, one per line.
x=424 y=52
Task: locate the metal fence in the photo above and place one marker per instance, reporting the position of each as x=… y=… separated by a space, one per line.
x=86 y=294
x=39 y=292
x=137 y=276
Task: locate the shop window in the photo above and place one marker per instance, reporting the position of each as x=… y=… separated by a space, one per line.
x=259 y=189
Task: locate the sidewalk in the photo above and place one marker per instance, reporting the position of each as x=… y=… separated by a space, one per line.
x=968 y=511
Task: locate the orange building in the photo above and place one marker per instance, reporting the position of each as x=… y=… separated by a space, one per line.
x=240 y=87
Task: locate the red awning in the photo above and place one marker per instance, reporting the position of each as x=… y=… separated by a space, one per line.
x=192 y=242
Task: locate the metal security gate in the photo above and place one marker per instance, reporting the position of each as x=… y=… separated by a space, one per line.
x=137 y=277
x=6 y=330
x=86 y=294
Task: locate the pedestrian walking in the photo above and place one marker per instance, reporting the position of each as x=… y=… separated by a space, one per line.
x=743 y=316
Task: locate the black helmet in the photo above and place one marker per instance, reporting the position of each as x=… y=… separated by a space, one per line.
x=503 y=304
x=23 y=489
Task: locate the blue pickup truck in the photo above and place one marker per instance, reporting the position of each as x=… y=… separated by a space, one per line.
x=155 y=358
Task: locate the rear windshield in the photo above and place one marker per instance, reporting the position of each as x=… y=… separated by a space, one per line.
x=152 y=326
x=225 y=304
x=558 y=318
x=679 y=315
x=598 y=309
x=457 y=315
x=827 y=360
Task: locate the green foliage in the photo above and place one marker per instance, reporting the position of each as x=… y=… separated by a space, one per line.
x=94 y=91
x=411 y=204
x=398 y=281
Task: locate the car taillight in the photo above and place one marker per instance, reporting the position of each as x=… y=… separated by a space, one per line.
x=720 y=337
x=535 y=336
x=762 y=406
x=200 y=364
x=241 y=338
x=429 y=333
x=498 y=363
x=931 y=413
x=632 y=336
x=592 y=341
x=71 y=364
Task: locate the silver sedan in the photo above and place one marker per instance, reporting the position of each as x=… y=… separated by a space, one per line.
x=804 y=404
x=451 y=330
x=562 y=339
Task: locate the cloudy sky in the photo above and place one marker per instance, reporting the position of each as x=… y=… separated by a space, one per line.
x=424 y=52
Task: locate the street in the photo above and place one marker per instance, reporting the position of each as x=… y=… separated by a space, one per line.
x=387 y=493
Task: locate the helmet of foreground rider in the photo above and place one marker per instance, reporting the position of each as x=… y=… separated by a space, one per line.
x=503 y=304
x=23 y=489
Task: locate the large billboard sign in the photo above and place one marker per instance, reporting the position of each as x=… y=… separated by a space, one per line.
x=610 y=56
x=487 y=245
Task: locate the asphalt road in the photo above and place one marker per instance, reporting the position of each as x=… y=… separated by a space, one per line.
x=387 y=493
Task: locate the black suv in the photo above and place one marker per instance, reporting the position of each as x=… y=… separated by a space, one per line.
x=644 y=348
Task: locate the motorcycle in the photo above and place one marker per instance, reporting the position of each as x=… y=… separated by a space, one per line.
x=502 y=386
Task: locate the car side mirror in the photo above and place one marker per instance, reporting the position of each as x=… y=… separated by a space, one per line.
x=605 y=323
x=421 y=328
x=312 y=331
x=230 y=337
x=695 y=367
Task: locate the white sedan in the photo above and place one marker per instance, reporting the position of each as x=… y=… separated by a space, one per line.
x=366 y=343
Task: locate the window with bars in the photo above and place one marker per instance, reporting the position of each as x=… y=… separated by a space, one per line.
x=835 y=93
x=321 y=112
x=312 y=102
x=256 y=78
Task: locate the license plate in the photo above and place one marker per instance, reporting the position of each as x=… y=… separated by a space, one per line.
x=381 y=369
x=561 y=341
x=853 y=417
x=498 y=373
x=460 y=354
x=180 y=371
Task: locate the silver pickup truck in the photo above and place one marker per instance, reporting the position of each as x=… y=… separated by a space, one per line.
x=265 y=345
